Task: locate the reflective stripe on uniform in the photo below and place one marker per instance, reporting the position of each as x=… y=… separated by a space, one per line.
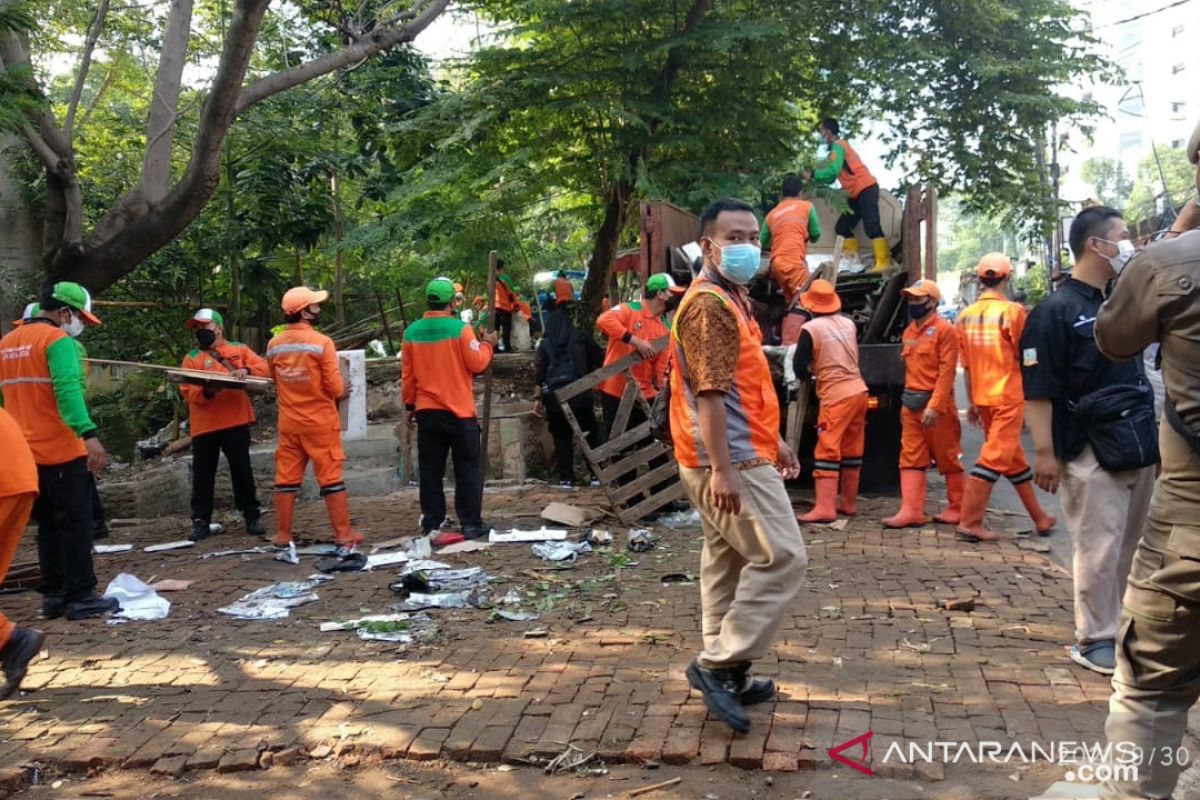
x=831 y=466
x=1021 y=477
x=334 y=489
x=315 y=349
x=14 y=381
x=985 y=474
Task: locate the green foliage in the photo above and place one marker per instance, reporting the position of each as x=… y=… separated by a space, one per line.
x=1108 y=178
x=1033 y=284
x=965 y=235
x=142 y=404
x=1148 y=190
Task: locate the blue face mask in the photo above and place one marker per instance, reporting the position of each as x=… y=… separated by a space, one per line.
x=739 y=262
x=918 y=312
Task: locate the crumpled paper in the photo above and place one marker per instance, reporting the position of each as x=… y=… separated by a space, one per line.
x=276 y=600
x=138 y=600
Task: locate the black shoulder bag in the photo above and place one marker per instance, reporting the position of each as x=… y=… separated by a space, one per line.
x=1120 y=425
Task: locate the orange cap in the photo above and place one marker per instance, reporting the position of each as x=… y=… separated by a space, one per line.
x=821 y=298
x=297 y=299
x=923 y=288
x=994 y=265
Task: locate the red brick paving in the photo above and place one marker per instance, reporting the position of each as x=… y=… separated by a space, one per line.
x=866 y=647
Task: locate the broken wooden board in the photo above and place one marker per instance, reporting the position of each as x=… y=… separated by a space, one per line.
x=565 y=514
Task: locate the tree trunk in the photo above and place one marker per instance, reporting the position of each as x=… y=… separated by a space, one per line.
x=604 y=251
x=160 y=130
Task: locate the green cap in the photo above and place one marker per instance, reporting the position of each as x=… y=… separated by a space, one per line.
x=75 y=296
x=661 y=282
x=440 y=290
x=203 y=317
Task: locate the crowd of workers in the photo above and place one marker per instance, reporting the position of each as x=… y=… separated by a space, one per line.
x=1071 y=371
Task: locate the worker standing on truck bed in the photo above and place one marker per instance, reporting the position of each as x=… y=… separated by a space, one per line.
x=506 y=304
x=786 y=232
x=828 y=347
x=308 y=383
x=989 y=346
x=219 y=421
x=41 y=380
x=930 y=430
x=862 y=191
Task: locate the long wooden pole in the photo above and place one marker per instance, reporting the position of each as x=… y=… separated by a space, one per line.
x=485 y=427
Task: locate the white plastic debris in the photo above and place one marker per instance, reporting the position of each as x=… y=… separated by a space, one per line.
x=515 y=616
x=155 y=548
x=423 y=564
x=515 y=535
x=468 y=546
x=276 y=600
x=289 y=556
x=377 y=560
x=243 y=552
x=465 y=599
x=681 y=519
x=420 y=548
x=561 y=551
x=138 y=600
x=106 y=549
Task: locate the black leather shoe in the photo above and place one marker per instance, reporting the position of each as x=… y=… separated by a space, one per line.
x=200 y=530
x=90 y=607
x=722 y=694
x=754 y=690
x=254 y=527
x=99 y=531
x=479 y=531
x=53 y=606
x=22 y=646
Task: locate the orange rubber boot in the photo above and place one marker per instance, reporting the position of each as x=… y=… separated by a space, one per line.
x=1043 y=523
x=912 y=501
x=850 y=478
x=824 y=509
x=285 y=508
x=975 y=499
x=337 y=505
x=954 y=497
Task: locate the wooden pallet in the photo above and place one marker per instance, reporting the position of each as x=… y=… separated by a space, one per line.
x=627 y=454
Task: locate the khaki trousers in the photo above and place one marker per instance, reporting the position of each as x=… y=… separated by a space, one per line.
x=1104 y=513
x=1158 y=643
x=751 y=566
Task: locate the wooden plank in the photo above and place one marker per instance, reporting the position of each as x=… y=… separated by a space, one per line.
x=486 y=425
x=593 y=379
x=626 y=440
x=654 y=477
x=625 y=408
x=839 y=245
x=629 y=516
x=631 y=462
x=930 y=233
x=797 y=413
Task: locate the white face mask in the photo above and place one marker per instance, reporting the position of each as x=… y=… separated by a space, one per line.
x=74 y=328
x=1125 y=251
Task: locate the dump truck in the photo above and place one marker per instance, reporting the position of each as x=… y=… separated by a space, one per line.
x=668 y=244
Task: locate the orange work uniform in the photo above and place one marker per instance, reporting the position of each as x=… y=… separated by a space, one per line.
x=989 y=336
x=563 y=291
x=506 y=298
x=930 y=353
x=304 y=365
x=438 y=360
x=842 y=421
x=226 y=409
x=620 y=324
x=789 y=227
x=18 y=490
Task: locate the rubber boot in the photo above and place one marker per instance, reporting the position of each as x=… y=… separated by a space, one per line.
x=912 y=501
x=883 y=254
x=337 y=505
x=975 y=499
x=849 y=504
x=1043 y=523
x=954 y=496
x=824 y=509
x=285 y=508
x=850 y=249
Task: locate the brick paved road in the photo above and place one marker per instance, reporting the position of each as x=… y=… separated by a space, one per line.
x=866 y=648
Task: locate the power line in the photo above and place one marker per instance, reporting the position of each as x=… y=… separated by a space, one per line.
x=1136 y=17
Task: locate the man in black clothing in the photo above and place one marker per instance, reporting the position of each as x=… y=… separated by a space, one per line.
x=563 y=356
x=1061 y=364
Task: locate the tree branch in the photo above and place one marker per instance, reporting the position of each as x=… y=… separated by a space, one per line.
x=160 y=127
x=376 y=41
x=85 y=64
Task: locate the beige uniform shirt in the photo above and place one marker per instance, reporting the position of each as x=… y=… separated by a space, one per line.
x=1157 y=299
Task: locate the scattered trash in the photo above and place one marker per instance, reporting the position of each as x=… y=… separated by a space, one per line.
x=838 y=525
x=564 y=514
x=377 y=560
x=443 y=580
x=561 y=551
x=600 y=538
x=402 y=632
x=418 y=601
x=351 y=562
x=420 y=548
x=170 y=585
x=513 y=598
x=138 y=600
x=156 y=548
x=514 y=535
x=958 y=604
x=423 y=564
x=656 y=786
x=679 y=577
x=641 y=541
x=680 y=519
x=276 y=600
x=540 y=633
x=355 y=624
x=468 y=546
x=387 y=544
x=215 y=528
x=327 y=549
x=221 y=553
x=446 y=539
x=923 y=647
x=106 y=549
x=289 y=556
x=571 y=760
x=513 y=616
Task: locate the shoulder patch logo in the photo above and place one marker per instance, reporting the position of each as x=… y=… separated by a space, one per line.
x=1029 y=357
x=474 y=344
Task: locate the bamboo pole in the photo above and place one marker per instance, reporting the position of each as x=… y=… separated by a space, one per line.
x=485 y=427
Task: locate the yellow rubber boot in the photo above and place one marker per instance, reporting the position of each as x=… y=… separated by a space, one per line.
x=883 y=255
x=850 y=249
